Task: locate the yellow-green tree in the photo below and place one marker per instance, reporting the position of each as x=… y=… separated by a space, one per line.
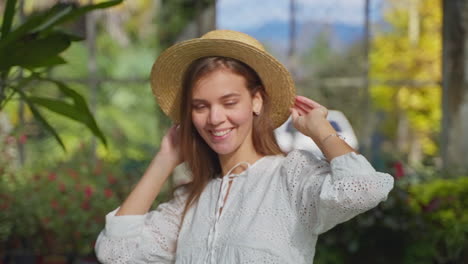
x=406 y=70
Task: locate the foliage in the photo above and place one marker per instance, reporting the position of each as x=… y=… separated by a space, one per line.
x=61 y=210
x=33 y=47
x=8 y=153
x=176 y=14
x=402 y=54
x=443 y=205
x=419 y=223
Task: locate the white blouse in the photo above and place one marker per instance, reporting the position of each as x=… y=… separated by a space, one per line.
x=274 y=213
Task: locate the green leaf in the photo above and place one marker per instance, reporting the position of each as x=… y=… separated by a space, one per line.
x=71 y=36
x=31 y=23
x=83 y=10
x=8 y=15
x=59 y=107
x=48 y=62
x=46 y=21
x=33 y=52
x=56 y=13
x=80 y=111
x=37 y=115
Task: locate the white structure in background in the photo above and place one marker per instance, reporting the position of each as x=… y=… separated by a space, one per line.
x=289 y=138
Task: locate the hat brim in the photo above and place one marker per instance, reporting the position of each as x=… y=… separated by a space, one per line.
x=168 y=71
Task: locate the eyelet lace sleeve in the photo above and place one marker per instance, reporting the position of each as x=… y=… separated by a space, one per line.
x=325 y=194
x=149 y=238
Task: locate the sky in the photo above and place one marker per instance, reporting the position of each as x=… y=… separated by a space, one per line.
x=245 y=14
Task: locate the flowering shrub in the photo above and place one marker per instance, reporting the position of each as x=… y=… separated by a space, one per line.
x=8 y=154
x=60 y=210
x=70 y=204
x=424 y=222
x=443 y=207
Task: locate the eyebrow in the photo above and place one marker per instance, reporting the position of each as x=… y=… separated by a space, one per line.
x=224 y=97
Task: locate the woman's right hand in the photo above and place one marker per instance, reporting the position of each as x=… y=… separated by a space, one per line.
x=170 y=146
x=148 y=188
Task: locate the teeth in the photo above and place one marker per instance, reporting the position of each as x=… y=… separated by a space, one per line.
x=221 y=133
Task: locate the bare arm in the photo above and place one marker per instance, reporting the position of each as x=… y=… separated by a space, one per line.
x=147 y=189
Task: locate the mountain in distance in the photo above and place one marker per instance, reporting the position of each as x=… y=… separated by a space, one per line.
x=275 y=36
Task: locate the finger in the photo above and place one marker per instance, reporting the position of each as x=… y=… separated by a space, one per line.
x=324 y=111
x=294 y=114
x=300 y=109
x=308 y=101
x=304 y=106
x=317 y=106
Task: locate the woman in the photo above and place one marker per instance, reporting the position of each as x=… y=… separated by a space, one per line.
x=247 y=202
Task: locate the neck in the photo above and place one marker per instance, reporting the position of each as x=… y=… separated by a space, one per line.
x=230 y=160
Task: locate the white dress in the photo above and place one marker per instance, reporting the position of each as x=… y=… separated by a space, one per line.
x=274 y=213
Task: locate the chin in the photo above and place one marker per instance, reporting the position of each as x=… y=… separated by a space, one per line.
x=223 y=150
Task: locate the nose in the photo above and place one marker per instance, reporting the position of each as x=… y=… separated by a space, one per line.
x=216 y=116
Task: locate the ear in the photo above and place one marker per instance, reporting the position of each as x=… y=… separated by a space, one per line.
x=257 y=103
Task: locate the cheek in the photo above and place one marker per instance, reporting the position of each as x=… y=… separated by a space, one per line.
x=198 y=121
x=241 y=117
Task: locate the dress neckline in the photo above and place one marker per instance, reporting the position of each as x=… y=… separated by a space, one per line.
x=248 y=169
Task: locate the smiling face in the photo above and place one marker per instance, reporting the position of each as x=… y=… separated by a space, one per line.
x=222 y=112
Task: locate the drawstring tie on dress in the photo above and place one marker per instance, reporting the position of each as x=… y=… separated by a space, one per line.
x=220 y=204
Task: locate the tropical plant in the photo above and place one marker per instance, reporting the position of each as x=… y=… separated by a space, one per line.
x=30 y=50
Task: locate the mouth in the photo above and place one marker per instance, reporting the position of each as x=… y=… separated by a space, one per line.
x=220 y=134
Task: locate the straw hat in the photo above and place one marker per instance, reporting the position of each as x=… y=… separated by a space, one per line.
x=168 y=70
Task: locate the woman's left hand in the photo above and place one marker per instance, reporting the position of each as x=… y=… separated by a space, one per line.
x=310 y=118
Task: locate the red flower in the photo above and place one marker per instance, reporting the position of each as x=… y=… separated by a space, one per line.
x=108 y=193
x=73 y=174
x=111 y=179
x=5 y=205
x=85 y=205
x=5 y=201
x=62 y=188
x=10 y=140
x=54 y=204
x=88 y=191
x=45 y=221
x=62 y=212
x=399 y=171
x=22 y=139
x=52 y=176
x=433 y=205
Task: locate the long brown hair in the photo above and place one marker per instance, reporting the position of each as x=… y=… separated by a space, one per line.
x=202 y=161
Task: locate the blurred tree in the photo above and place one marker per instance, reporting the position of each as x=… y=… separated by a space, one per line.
x=455 y=97
x=334 y=77
x=408 y=50
x=178 y=14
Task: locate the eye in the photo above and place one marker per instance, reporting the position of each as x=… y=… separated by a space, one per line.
x=198 y=106
x=230 y=103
